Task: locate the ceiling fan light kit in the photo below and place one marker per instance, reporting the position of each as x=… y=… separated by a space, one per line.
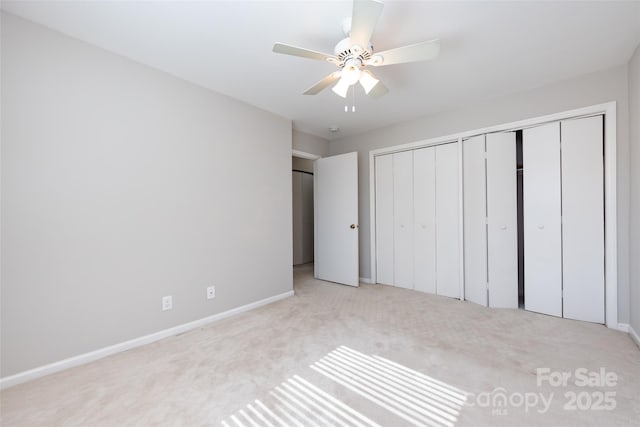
x=367 y=81
x=354 y=53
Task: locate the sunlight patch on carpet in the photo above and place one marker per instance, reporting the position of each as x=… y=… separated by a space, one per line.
x=413 y=396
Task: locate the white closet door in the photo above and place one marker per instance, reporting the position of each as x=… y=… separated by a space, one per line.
x=384 y=219
x=583 y=219
x=542 y=230
x=424 y=208
x=502 y=225
x=475 y=226
x=447 y=221
x=403 y=219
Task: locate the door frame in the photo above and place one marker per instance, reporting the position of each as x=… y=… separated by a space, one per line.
x=302 y=155
x=607 y=109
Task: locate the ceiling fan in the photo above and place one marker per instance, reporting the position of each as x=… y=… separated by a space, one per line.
x=354 y=53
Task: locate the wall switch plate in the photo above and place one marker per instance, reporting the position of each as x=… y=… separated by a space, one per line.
x=211 y=292
x=167 y=303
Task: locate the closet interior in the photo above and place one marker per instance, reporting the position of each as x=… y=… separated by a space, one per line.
x=532 y=219
x=302 y=211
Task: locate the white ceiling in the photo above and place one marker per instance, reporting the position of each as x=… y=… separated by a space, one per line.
x=488 y=49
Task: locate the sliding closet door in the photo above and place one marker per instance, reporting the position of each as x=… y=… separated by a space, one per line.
x=447 y=221
x=502 y=224
x=583 y=219
x=384 y=219
x=475 y=220
x=403 y=219
x=424 y=208
x=542 y=229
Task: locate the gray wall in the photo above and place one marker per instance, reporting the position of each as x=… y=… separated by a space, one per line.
x=634 y=240
x=121 y=184
x=596 y=88
x=310 y=143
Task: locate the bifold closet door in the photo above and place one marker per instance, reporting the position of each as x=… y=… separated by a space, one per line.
x=583 y=219
x=447 y=221
x=502 y=223
x=475 y=220
x=424 y=212
x=541 y=211
x=403 y=219
x=384 y=218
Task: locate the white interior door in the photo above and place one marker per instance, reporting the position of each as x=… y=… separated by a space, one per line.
x=542 y=227
x=403 y=219
x=384 y=218
x=424 y=224
x=475 y=220
x=583 y=219
x=502 y=224
x=447 y=221
x=336 y=218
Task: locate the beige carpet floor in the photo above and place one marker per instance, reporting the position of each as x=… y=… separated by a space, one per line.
x=336 y=355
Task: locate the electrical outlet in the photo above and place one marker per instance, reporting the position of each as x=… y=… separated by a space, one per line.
x=211 y=292
x=167 y=303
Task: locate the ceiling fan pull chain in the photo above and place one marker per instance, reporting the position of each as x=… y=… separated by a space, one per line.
x=353 y=107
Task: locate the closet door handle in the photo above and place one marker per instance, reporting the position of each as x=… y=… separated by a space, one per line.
x=353 y=226
x=504 y=227
x=541 y=227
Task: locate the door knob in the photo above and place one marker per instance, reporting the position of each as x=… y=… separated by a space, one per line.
x=352 y=226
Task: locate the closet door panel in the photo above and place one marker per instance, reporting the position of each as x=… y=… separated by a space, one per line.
x=384 y=218
x=447 y=221
x=424 y=208
x=542 y=229
x=502 y=213
x=475 y=227
x=403 y=219
x=583 y=219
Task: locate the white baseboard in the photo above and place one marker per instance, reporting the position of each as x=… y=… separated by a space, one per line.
x=82 y=359
x=366 y=280
x=634 y=336
x=623 y=327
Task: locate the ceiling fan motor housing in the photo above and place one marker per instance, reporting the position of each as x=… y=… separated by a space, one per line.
x=344 y=51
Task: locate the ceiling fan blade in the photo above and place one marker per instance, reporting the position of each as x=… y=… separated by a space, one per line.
x=302 y=52
x=378 y=91
x=363 y=20
x=322 y=84
x=413 y=53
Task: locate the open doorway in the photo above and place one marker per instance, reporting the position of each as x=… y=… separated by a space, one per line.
x=302 y=209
